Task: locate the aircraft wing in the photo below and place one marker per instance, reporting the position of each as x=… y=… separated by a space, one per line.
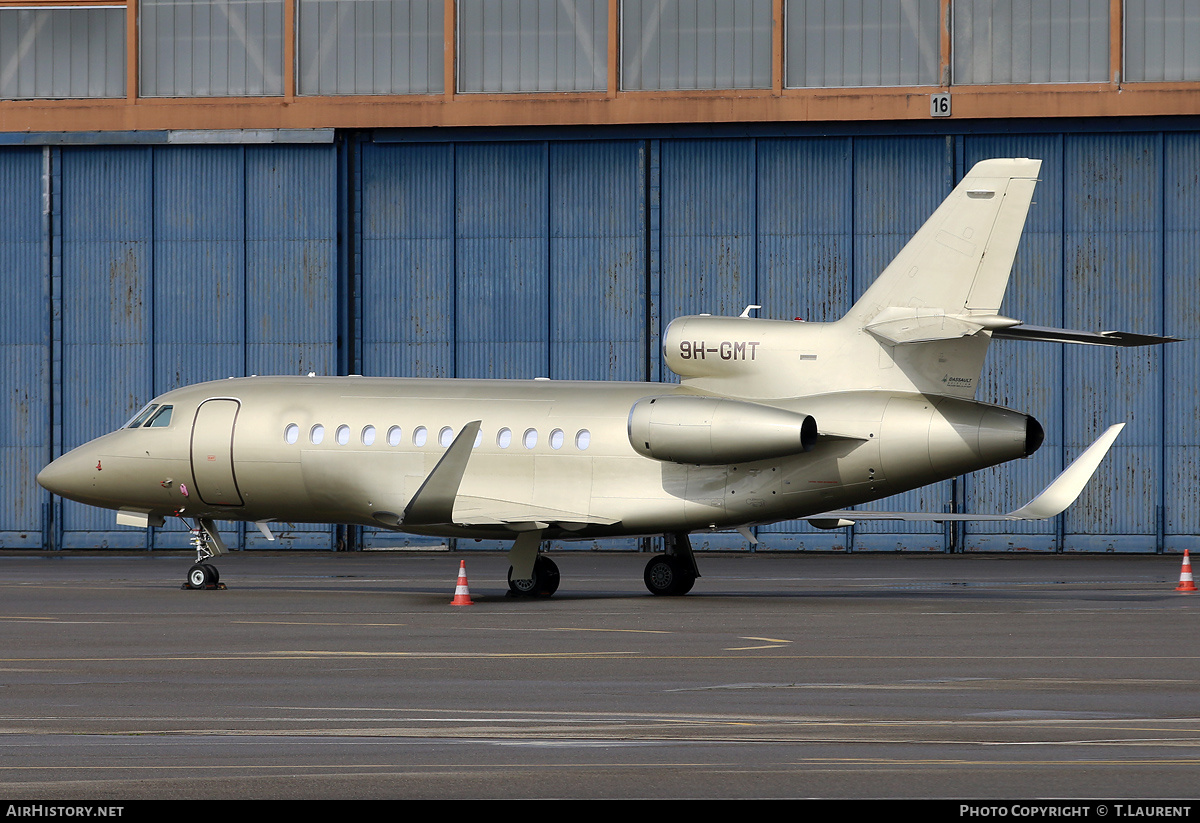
x=1052 y=500
x=481 y=511
x=438 y=501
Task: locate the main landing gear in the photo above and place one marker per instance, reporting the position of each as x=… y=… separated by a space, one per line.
x=531 y=574
x=674 y=571
x=543 y=583
x=208 y=544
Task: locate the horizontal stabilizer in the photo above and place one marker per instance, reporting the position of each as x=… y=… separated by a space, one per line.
x=1053 y=500
x=1047 y=334
x=897 y=325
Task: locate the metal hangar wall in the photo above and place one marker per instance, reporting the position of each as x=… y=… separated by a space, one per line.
x=135 y=265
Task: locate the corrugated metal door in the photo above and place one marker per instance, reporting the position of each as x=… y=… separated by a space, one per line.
x=24 y=351
x=898 y=183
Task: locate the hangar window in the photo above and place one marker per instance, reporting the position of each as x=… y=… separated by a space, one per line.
x=316 y=434
x=370 y=47
x=210 y=48
x=161 y=418
x=141 y=417
x=583 y=439
x=861 y=43
x=530 y=439
x=342 y=434
x=446 y=437
x=504 y=438
x=393 y=436
x=532 y=45
x=556 y=439
x=291 y=434
x=62 y=53
x=368 y=436
x=420 y=435
x=682 y=44
x=1015 y=41
x=1162 y=40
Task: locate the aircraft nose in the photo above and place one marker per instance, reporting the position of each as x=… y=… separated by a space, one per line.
x=69 y=474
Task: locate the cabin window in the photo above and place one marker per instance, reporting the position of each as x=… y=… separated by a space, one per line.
x=530 y=439
x=583 y=439
x=368 y=436
x=393 y=436
x=556 y=439
x=140 y=417
x=291 y=434
x=161 y=418
x=316 y=434
x=504 y=438
x=342 y=434
x=478 y=439
x=446 y=437
x=420 y=435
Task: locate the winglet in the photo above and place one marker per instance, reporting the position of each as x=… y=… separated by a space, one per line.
x=1067 y=486
x=434 y=501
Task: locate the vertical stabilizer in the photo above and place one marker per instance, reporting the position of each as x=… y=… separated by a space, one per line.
x=960 y=260
x=923 y=326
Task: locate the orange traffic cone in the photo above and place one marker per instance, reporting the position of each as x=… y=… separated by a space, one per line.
x=462 y=595
x=1186 y=583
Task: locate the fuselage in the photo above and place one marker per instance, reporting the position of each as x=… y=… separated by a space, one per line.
x=553 y=453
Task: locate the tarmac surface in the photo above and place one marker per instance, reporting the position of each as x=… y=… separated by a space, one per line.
x=320 y=675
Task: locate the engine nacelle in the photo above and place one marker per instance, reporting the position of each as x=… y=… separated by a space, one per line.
x=713 y=430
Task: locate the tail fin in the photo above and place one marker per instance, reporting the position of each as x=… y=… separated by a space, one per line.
x=923 y=326
x=958 y=263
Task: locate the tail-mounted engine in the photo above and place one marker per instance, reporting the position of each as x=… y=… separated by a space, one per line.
x=713 y=430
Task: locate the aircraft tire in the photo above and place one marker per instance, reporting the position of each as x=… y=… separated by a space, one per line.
x=198 y=576
x=686 y=581
x=665 y=575
x=544 y=582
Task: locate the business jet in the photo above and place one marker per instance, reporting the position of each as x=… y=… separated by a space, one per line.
x=772 y=420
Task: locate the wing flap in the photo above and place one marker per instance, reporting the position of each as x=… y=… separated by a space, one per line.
x=480 y=511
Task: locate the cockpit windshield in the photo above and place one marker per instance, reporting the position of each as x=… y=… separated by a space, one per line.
x=161 y=418
x=153 y=416
x=141 y=416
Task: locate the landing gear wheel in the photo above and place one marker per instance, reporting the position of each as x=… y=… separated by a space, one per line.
x=203 y=576
x=198 y=576
x=666 y=575
x=543 y=583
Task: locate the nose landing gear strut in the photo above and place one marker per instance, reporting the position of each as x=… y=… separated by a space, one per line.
x=208 y=544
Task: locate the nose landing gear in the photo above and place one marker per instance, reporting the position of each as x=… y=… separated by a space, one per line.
x=207 y=543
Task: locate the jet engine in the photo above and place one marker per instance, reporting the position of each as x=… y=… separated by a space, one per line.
x=714 y=430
